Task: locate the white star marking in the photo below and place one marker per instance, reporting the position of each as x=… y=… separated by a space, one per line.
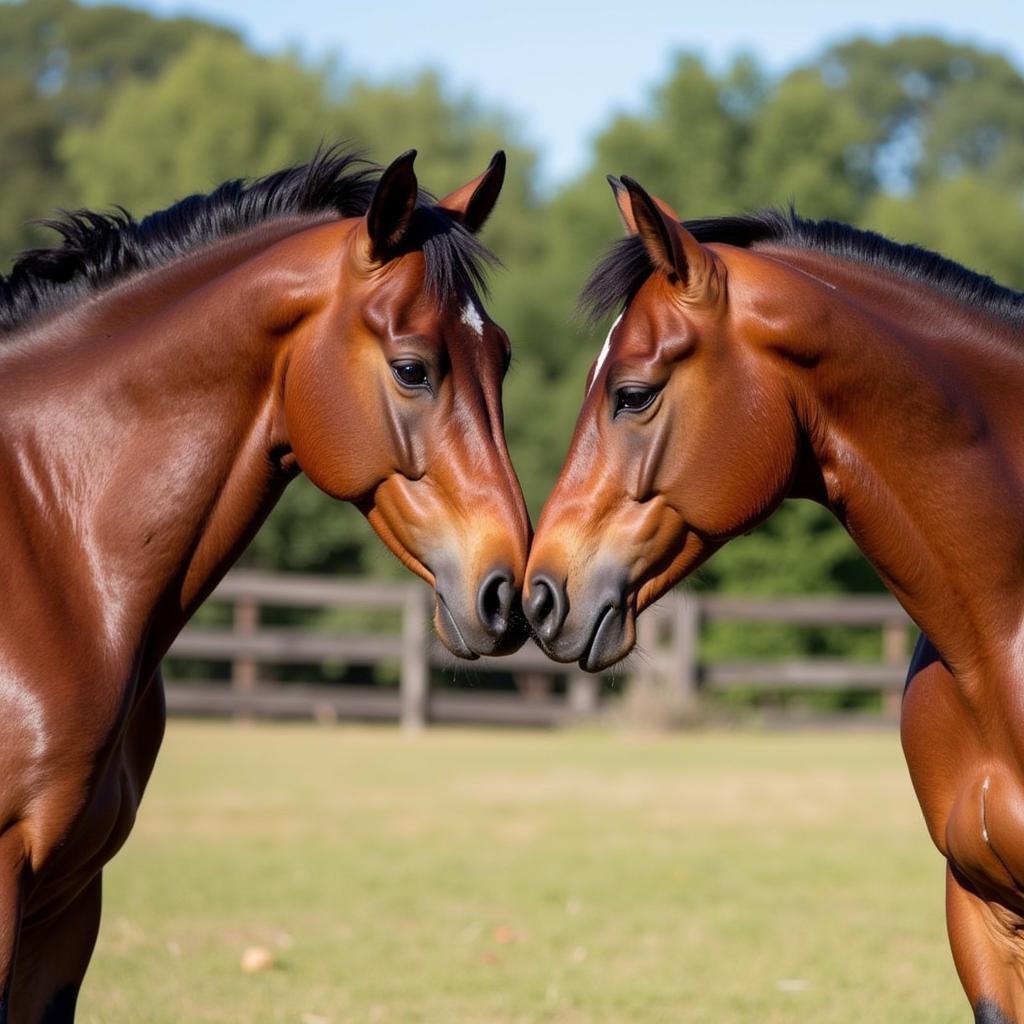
x=472 y=319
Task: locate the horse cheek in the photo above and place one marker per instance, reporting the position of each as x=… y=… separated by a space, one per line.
x=334 y=429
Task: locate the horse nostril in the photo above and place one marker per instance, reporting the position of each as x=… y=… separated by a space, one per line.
x=547 y=607
x=541 y=603
x=494 y=601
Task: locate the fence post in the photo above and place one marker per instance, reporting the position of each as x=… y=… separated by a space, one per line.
x=415 y=673
x=582 y=695
x=685 y=648
x=244 y=671
x=894 y=653
x=662 y=687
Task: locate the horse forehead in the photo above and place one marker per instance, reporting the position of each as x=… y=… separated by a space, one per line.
x=637 y=340
x=405 y=306
x=475 y=332
x=647 y=327
x=414 y=310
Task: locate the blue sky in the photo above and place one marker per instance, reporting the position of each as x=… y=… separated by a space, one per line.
x=562 y=68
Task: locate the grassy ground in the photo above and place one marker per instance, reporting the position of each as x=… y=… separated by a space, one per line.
x=506 y=878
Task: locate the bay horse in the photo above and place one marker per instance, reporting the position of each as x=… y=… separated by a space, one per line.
x=162 y=381
x=769 y=356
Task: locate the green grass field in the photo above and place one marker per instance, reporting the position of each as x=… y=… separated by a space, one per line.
x=504 y=878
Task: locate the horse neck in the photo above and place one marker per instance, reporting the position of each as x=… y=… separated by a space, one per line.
x=910 y=403
x=146 y=432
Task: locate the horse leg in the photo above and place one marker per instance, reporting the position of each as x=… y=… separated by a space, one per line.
x=973 y=805
x=52 y=958
x=987 y=950
x=985 y=894
x=12 y=885
x=54 y=952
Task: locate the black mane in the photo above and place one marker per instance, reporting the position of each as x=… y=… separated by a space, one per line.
x=98 y=249
x=626 y=266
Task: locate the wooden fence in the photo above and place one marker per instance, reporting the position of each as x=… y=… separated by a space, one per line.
x=669 y=661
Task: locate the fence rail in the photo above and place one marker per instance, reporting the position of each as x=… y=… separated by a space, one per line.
x=669 y=634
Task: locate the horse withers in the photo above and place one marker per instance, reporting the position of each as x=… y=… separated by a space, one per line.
x=161 y=383
x=766 y=357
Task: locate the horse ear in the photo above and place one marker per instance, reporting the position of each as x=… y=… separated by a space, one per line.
x=672 y=248
x=392 y=206
x=625 y=205
x=472 y=204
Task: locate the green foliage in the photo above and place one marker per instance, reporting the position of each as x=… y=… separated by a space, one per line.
x=969 y=217
x=918 y=137
x=693 y=106
x=310 y=532
x=938 y=109
x=151 y=148
x=804 y=148
x=61 y=66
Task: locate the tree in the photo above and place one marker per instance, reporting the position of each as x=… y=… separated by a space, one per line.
x=807 y=147
x=938 y=108
x=152 y=146
x=970 y=218
x=60 y=64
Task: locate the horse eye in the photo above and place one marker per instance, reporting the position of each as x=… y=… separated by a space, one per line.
x=410 y=373
x=633 y=399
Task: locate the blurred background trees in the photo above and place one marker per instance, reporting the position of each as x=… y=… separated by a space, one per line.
x=919 y=138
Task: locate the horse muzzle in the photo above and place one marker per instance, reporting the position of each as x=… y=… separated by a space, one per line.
x=491 y=623
x=597 y=629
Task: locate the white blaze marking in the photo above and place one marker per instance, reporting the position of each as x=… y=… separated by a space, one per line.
x=605 y=349
x=472 y=319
